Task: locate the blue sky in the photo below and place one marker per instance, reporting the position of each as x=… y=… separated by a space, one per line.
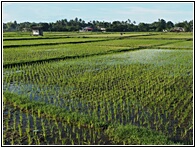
x=147 y=12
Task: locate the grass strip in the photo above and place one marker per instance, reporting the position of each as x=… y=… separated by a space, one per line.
x=130 y=134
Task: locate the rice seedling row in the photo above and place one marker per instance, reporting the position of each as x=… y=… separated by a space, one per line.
x=29 y=129
x=56 y=52
x=53 y=42
x=46 y=37
x=128 y=96
x=181 y=36
x=150 y=89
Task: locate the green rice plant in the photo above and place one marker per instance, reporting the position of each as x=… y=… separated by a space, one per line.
x=14 y=124
x=94 y=138
x=72 y=142
x=60 y=134
x=27 y=129
x=35 y=123
x=4 y=139
x=78 y=138
x=39 y=113
x=149 y=80
x=63 y=141
x=12 y=140
x=84 y=135
x=20 y=130
x=73 y=129
x=124 y=142
x=7 y=123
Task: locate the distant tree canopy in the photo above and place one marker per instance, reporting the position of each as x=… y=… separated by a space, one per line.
x=115 y=26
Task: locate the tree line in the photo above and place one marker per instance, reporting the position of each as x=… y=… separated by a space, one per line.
x=115 y=26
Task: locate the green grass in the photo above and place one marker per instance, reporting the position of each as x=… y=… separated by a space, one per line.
x=133 y=135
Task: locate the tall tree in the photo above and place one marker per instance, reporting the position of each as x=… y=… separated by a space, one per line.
x=78 y=23
x=161 y=25
x=143 y=27
x=169 y=25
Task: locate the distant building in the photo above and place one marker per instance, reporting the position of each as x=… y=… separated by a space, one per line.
x=103 y=29
x=86 y=29
x=177 y=29
x=36 y=31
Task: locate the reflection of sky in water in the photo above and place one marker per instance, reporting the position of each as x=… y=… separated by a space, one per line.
x=173 y=59
x=156 y=57
x=176 y=61
x=149 y=56
x=50 y=95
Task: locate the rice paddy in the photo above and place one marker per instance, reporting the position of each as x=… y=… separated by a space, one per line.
x=98 y=89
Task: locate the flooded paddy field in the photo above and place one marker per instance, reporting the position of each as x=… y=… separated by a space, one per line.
x=148 y=88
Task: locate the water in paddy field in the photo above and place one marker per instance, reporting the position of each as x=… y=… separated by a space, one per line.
x=45 y=94
x=122 y=117
x=155 y=57
x=44 y=131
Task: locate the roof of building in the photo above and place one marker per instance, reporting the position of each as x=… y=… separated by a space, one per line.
x=88 y=28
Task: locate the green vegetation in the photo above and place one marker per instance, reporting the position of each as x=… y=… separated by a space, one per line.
x=38 y=42
x=128 y=134
x=133 y=90
x=114 y=43
x=134 y=135
x=115 y=26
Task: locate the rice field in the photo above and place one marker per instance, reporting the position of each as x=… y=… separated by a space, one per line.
x=98 y=89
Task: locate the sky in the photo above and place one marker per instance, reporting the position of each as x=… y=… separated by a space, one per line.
x=147 y=12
